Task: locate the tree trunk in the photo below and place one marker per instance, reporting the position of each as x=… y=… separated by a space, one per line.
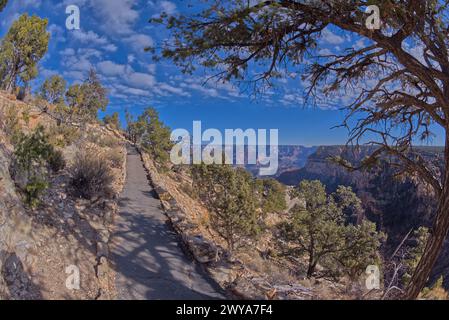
x=312 y=267
x=438 y=235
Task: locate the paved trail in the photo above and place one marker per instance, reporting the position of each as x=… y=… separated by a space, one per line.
x=149 y=262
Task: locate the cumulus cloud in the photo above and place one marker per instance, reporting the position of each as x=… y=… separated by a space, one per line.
x=111 y=69
x=331 y=38
x=118 y=16
x=89 y=37
x=139 y=42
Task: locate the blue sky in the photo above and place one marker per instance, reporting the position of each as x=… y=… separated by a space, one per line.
x=112 y=38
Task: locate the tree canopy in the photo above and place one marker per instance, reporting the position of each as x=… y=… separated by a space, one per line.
x=318 y=228
x=53 y=89
x=86 y=99
x=23 y=46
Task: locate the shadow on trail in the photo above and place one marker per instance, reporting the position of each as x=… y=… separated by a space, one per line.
x=146 y=252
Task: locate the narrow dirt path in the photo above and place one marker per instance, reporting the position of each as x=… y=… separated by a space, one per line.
x=145 y=252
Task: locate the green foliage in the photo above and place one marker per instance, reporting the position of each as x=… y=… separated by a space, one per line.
x=361 y=249
x=23 y=46
x=317 y=228
x=10 y=121
x=33 y=150
x=112 y=120
x=131 y=127
x=272 y=194
x=53 y=90
x=351 y=204
x=414 y=254
x=153 y=136
x=90 y=175
x=33 y=154
x=86 y=99
x=229 y=195
x=34 y=190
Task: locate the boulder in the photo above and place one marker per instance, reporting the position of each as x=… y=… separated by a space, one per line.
x=203 y=250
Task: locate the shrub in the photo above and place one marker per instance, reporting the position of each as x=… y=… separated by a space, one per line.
x=56 y=161
x=113 y=121
x=33 y=156
x=272 y=195
x=9 y=119
x=90 y=175
x=34 y=190
x=63 y=135
x=33 y=150
x=102 y=140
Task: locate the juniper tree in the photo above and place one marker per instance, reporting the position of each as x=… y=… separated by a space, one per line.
x=318 y=229
x=315 y=228
x=86 y=99
x=229 y=195
x=23 y=46
x=53 y=89
x=272 y=195
x=398 y=73
x=112 y=120
x=153 y=136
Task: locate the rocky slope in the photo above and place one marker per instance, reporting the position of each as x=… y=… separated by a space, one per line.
x=38 y=247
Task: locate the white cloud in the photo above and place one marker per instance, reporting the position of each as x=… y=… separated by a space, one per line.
x=111 y=69
x=89 y=37
x=167 y=7
x=139 y=42
x=56 y=34
x=118 y=15
x=131 y=58
x=331 y=38
x=141 y=80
